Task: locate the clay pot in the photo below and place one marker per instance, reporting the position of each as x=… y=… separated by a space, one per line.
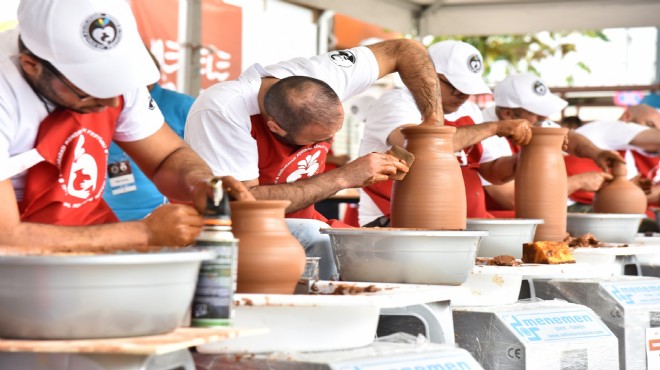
x=270 y=259
x=620 y=195
x=432 y=195
x=540 y=177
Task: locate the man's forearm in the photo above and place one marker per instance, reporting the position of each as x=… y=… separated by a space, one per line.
x=107 y=236
x=301 y=193
x=469 y=135
x=412 y=61
x=179 y=173
x=580 y=146
x=500 y=170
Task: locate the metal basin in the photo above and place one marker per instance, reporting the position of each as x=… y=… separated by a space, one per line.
x=606 y=227
x=96 y=296
x=506 y=235
x=413 y=256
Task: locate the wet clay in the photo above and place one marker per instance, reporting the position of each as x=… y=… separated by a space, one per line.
x=432 y=195
x=620 y=195
x=541 y=183
x=270 y=259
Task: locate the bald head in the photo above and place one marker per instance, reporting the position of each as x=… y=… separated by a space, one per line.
x=642 y=114
x=298 y=101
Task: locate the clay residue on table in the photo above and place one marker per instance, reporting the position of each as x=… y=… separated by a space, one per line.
x=343 y=289
x=588 y=240
x=502 y=260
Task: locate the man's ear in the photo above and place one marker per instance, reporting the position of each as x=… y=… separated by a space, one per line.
x=626 y=116
x=30 y=65
x=505 y=113
x=274 y=127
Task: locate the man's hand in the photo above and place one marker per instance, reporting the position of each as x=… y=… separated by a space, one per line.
x=204 y=190
x=606 y=159
x=517 y=130
x=369 y=169
x=644 y=183
x=173 y=225
x=592 y=181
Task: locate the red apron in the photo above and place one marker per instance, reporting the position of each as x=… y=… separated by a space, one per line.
x=469 y=159
x=576 y=165
x=644 y=164
x=381 y=193
x=280 y=163
x=67 y=188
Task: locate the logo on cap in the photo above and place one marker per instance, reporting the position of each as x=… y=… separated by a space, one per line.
x=343 y=58
x=539 y=88
x=474 y=63
x=101 y=31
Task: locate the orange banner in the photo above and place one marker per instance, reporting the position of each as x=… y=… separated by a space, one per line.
x=221 y=38
x=351 y=32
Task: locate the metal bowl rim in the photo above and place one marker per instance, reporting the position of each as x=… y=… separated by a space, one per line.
x=129 y=258
x=618 y=216
x=505 y=221
x=401 y=232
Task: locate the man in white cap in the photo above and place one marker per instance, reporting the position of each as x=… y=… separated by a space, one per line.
x=634 y=135
x=526 y=96
x=459 y=68
x=272 y=129
x=73 y=78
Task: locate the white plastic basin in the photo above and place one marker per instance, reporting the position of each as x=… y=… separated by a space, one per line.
x=606 y=227
x=412 y=256
x=505 y=235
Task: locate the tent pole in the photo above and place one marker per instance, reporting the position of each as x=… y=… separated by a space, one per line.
x=190 y=42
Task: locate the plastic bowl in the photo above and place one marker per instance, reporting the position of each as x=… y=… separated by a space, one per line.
x=96 y=296
x=506 y=235
x=412 y=256
x=606 y=227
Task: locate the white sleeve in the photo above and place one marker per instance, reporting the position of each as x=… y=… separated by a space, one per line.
x=140 y=117
x=495 y=147
x=7 y=123
x=348 y=72
x=393 y=109
x=218 y=129
x=614 y=135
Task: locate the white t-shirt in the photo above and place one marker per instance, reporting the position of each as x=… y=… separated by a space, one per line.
x=396 y=108
x=218 y=125
x=612 y=135
x=21 y=112
x=615 y=135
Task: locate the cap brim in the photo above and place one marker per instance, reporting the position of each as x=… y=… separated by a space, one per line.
x=546 y=107
x=117 y=73
x=470 y=85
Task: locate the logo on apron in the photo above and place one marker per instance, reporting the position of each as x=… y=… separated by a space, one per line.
x=81 y=177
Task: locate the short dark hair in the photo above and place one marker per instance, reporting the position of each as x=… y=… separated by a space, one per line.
x=297 y=101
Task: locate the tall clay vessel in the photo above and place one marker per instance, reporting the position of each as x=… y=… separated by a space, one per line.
x=540 y=177
x=270 y=259
x=620 y=195
x=432 y=195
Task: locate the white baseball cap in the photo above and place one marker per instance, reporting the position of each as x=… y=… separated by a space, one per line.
x=95 y=44
x=529 y=92
x=462 y=64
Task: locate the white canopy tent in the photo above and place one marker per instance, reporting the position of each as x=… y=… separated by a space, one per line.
x=485 y=17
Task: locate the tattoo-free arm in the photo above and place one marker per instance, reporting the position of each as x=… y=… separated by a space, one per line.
x=412 y=61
